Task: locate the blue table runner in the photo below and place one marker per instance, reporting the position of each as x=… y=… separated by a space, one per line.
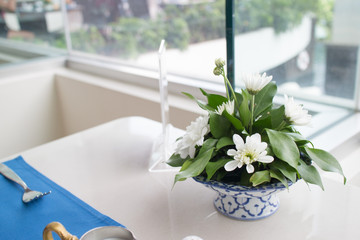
x=19 y=221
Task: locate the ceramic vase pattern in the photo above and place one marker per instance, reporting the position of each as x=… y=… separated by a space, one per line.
x=244 y=203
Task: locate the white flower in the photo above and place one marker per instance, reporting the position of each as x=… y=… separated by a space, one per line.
x=295 y=112
x=194 y=136
x=247 y=153
x=255 y=82
x=229 y=106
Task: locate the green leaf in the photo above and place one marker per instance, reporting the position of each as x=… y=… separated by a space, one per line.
x=219 y=125
x=212 y=167
x=202 y=105
x=244 y=108
x=239 y=99
x=277 y=116
x=309 y=174
x=208 y=144
x=220 y=175
x=186 y=164
x=298 y=138
x=244 y=177
x=288 y=171
x=284 y=147
x=215 y=100
x=264 y=99
x=279 y=176
x=203 y=92
x=196 y=167
x=261 y=124
x=223 y=142
x=302 y=143
x=234 y=121
x=175 y=160
x=325 y=161
x=260 y=177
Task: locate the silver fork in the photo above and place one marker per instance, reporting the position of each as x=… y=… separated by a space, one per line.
x=29 y=195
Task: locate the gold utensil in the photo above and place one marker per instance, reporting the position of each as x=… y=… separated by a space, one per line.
x=99 y=233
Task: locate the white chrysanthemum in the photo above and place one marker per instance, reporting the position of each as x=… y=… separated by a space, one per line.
x=247 y=153
x=194 y=136
x=229 y=106
x=295 y=112
x=255 y=82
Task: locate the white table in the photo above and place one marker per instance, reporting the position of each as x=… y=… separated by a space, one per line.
x=107 y=167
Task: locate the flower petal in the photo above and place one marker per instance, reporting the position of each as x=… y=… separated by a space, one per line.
x=295 y=112
x=256 y=138
x=266 y=159
x=239 y=142
x=192 y=151
x=194 y=136
x=231 y=152
x=260 y=147
x=255 y=82
x=250 y=168
x=230 y=166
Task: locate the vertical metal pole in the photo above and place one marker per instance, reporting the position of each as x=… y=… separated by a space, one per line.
x=229 y=15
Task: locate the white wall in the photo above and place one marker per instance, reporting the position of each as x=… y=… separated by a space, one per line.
x=87 y=101
x=42 y=105
x=29 y=113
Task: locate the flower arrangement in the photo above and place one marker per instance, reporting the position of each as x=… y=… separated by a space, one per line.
x=246 y=140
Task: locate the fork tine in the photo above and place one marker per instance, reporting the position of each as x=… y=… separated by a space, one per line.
x=46 y=193
x=29 y=196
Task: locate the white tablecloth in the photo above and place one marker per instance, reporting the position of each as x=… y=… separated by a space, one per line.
x=107 y=167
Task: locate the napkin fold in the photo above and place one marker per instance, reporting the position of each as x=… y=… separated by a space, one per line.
x=19 y=221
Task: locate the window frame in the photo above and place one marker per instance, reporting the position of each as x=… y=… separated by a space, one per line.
x=326 y=115
x=121 y=71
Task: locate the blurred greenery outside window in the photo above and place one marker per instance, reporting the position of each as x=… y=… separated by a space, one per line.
x=309 y=59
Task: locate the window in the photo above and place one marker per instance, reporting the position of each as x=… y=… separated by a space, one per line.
x=309 y=46
x=131 y=31
x=30 y=29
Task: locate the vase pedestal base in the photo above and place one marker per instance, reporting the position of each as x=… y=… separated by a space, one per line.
x=247 y=208
x=242 y=202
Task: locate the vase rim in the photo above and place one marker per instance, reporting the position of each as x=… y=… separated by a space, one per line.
x=223 y=185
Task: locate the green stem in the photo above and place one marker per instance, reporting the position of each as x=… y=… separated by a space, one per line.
x=225 y=83
x=252 y=103
x=228 y=85
x=281 y=126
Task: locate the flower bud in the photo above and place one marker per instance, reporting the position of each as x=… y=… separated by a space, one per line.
x=255 y=82
x=217 y=71
x=295 y=113
x=219 y=62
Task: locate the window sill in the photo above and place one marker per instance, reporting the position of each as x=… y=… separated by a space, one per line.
x=325 y=117
x=330 y=124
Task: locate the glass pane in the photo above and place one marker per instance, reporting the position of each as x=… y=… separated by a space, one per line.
x=309 y=46
x=131 y=31
x=30 y=29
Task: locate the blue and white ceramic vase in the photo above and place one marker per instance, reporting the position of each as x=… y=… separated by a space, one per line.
x=244 y=203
